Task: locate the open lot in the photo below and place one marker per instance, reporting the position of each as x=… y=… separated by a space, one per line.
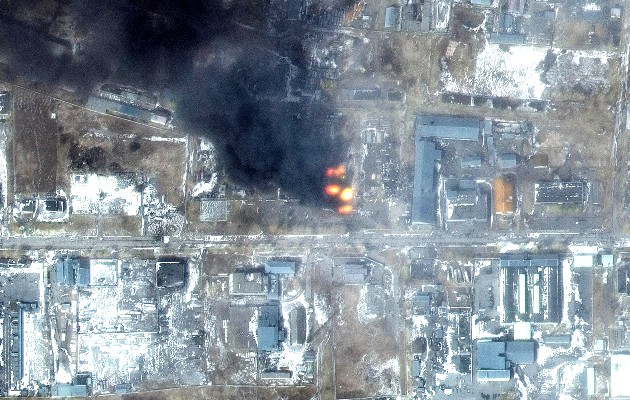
x=34 y=149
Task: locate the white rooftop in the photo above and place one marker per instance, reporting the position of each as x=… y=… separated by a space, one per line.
x=583 y=261
x=522 y=330
x=619 y=373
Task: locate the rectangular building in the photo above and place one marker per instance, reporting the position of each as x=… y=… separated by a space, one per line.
x=531 y=288
x=558 y=192
x=448 y=127
x=424 y=202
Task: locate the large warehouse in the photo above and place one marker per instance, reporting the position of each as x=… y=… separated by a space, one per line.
x=531 y=288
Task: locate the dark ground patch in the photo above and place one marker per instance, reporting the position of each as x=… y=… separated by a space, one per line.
x=34 y=143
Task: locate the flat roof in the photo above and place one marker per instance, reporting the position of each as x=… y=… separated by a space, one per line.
x=619 y=373
x=489 y=355
x=557 y=192
x=424 y=202
x=448 y=127
x=526 y=261
x=507 y=38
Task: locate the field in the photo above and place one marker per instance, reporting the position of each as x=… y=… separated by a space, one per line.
x=362 y=367
x=34 y=143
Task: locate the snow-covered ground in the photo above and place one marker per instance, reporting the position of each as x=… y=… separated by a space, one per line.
x=94 y=194
x=513 y=73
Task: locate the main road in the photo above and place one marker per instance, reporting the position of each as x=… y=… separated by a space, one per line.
x=365 y=239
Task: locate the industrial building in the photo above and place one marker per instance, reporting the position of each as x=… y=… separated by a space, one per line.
x=558 y=192
x=269 y=331
x=531 y=288
x=424 y=202
x=495 y=359
x=297 y=325
x=447 y=127
x=280 y=268
x=127 y=111
x=465 y=201
x=248 y=283
x=172 y=272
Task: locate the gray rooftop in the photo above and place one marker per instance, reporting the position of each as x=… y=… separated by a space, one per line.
x=490 y=355
x=423 y=207
x=526 y=261
x=557 y=192
x=280 y=267
x=68 y=390
x=507 y=38
x=391 y=17
x=507 y=160
x=521 y=352
x=448 y=127
x=354 y=273
x=247 y=283
x=494 y=375
x=269 y=331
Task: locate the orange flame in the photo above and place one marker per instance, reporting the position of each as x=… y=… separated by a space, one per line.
x=346 y=195
x=332 y=190
x=345 y=209
x=338 y=172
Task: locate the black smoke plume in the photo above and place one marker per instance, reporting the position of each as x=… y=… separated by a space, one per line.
x=234 y=83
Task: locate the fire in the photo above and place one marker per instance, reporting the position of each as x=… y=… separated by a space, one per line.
x=338 y=189
x=338 y=172
x=346 y=195
x=332 y=190
x=345 y=209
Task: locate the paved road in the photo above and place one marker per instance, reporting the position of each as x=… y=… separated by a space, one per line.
x=367 y=240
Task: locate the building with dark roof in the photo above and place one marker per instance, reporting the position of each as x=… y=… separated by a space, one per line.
x=495 y=359
x=247 y=283
x=558 y=192
x=297 y=324
x=66 y=269
x=269 y=331
x=448 y=127
x=424 y=201
x=531 y=288
x=172 y=272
